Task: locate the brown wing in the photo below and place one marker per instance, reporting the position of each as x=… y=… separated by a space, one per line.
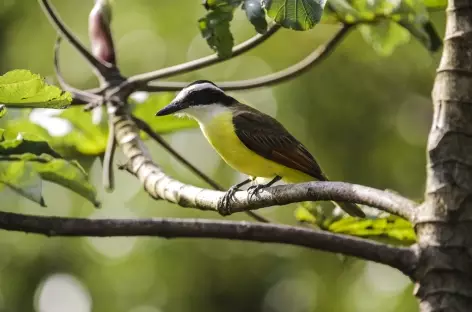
x=268 y=138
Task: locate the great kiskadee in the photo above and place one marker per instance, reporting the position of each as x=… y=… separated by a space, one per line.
x=248 y=140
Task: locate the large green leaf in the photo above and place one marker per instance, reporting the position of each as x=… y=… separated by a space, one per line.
x=21 y=177
x=42 y=159
x=295 y=14
x=22 y=88
x=214 y=28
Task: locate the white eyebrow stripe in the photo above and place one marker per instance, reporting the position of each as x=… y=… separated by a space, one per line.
x=196 y=87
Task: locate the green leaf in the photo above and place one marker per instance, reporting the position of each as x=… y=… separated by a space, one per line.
x=22 y=88
x=3 y=110
x=389 y=227
x=256 y=15
x=384 y=36
x=21 y=145
x=295 y=14
x=23 y=179
x=48 y=164
x=165 y=124
x=214 y=28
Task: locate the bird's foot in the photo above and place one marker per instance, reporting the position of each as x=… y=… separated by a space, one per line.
x=224 y=206
x=254 y=190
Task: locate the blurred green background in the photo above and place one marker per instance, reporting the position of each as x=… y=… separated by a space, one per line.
x=365 y=117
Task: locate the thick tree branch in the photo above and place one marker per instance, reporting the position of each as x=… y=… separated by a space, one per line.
x=289 y=73
x=403 y=259
x=206 y=61
x=104 y=69
x=159 y=185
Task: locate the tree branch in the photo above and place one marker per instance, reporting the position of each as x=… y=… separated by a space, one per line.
x=289 y=73
x=79 y=96
x=105 y=70
x=400 y=258
x=108 y=177
x=206 y=61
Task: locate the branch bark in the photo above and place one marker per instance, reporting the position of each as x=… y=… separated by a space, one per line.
x=159 y=185
x=444 y=273
x=400 y=258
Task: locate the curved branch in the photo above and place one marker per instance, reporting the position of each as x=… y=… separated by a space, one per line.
x=202 y=62
x=79 y=96
x=102 y=68
x=289 y=73
x=403 y=259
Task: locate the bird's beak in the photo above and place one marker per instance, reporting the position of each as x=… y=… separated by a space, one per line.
x=172 y=108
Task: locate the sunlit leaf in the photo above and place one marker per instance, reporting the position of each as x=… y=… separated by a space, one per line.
x=389 y=227
x=3 y=110
x=22 y=88
x=295 y=14
x=164 y=124
x=21 y=177
x=214 y=28
x=48 y=164
x=256 y=15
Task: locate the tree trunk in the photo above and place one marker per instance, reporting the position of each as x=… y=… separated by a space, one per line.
x=444 y=222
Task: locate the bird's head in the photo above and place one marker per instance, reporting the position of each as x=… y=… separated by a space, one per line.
x=199 y=99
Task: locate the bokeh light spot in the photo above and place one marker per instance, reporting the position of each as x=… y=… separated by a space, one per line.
x=62 y=292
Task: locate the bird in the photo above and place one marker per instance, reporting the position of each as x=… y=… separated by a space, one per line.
x=248 y=140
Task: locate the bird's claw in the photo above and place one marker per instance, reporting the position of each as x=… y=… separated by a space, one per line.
x=225 y=203
x=254 y=190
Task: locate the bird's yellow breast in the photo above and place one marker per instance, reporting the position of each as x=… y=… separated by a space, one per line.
x=220 y=133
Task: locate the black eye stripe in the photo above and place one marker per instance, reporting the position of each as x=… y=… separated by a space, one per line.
x=208 y=96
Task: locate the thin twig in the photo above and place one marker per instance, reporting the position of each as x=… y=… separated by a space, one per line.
x=289 y=73
x=108 y=178
x=403 y=259
x=156 y=137
x=202 y=62
x=102 y=68
x=79 y=96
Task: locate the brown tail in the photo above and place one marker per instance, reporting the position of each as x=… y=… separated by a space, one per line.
x=351 y=209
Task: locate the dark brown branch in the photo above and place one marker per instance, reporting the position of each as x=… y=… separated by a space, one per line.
x=400 y=258
x=102 y=68
x=206 y=61
x=289 y=73
x=156 y=137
